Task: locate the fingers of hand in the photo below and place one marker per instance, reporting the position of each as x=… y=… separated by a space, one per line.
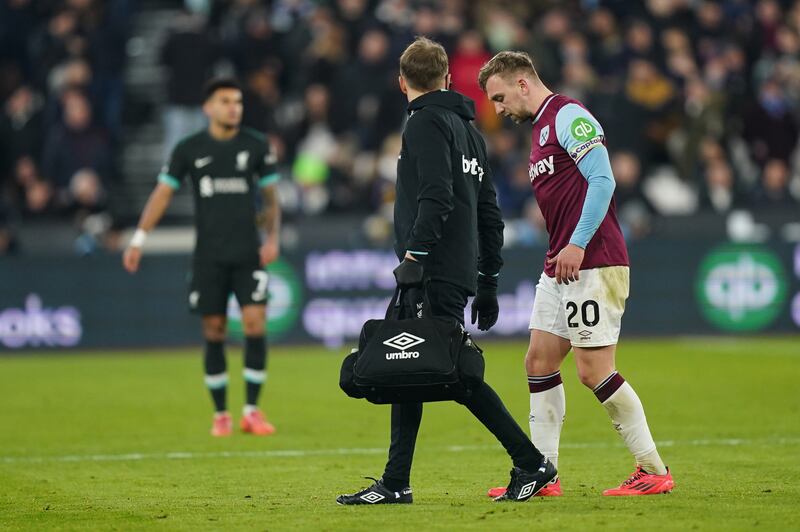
x=486 y=321
x=573 y=270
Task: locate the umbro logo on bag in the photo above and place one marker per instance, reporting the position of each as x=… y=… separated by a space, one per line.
x=526 y=490
x=403 y=341
x=372 y=497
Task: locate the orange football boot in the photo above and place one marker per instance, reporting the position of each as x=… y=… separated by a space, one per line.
x=255 y=423
x=643 y=483
x=223 y=424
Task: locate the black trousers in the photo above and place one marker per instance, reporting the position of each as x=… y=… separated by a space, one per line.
x=449 y=300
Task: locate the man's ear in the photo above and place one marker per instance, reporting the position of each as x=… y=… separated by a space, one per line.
x=448 y=81
x=524 y=86
x=402 y=82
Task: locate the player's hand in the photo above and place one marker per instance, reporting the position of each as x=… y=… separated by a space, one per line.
x=568 y=263
x=484 y=307
x=409 y=274
x=131 y=259
x=268 y=252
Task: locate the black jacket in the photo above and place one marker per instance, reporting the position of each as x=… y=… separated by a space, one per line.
x=446 y=211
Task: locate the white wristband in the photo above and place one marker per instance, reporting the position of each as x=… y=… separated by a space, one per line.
x=138 y=238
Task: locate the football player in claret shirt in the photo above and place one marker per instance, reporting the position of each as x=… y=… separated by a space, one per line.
x=227 y=167
x=580 y=297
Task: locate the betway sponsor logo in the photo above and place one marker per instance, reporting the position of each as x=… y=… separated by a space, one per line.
x=541 y=167
x=37 y=326
x=402 y=355
x=222 y=185
x=470 y=166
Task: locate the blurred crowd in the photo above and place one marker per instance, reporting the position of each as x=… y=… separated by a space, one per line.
x=700 y=100
x=61 y=105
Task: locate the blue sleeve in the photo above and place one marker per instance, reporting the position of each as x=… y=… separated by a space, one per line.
x=596 y=168
x=581 y=135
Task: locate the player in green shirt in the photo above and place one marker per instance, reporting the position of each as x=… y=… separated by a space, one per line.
x=226 y=166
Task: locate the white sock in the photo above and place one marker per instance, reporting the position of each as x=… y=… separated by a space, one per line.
x=627 y=415
x=248 y=409
x=548 y=408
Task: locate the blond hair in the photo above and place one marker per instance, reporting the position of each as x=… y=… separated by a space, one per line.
x=506 y=64
x=424 y=64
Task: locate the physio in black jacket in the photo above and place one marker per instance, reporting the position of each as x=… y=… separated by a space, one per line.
x=448 y=234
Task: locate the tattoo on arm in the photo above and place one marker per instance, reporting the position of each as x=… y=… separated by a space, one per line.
x=272 y=212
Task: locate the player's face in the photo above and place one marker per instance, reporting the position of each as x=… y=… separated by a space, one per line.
x=225 y=107
x=507 y=98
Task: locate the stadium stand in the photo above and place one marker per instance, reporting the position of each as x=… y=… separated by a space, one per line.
x=700 y=101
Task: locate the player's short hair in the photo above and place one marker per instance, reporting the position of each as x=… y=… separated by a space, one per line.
x=507 y=64
x=215 y=84
x=424 y=64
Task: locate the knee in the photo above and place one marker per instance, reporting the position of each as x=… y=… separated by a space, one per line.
x=591 y=376
x=214 y=329
x=587 y=377
x=538 y=363
x=254 y=328
x=253 y=325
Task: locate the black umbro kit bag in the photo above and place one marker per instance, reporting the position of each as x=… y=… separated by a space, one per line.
x=414 y=360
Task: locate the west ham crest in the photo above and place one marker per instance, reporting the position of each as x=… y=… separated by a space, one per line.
x=544 y=134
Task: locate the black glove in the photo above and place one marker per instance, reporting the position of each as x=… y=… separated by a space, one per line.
x=409 y=274
x=484 y=307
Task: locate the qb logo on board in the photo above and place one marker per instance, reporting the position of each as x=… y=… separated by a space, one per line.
x=741 y=288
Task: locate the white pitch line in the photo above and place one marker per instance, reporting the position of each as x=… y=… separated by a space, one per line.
x=300 y=453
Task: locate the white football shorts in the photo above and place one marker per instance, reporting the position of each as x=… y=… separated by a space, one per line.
x=588 y=312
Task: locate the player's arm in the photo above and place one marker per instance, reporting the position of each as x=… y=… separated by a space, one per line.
x=271 y=214
x=596 y=168
x=154 y=209
x=490 y=229
x=427 y=141
x=271 y=247
x=485 y=309
x=581 y=136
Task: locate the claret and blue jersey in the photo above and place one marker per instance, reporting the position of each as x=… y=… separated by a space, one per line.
x=573 y=183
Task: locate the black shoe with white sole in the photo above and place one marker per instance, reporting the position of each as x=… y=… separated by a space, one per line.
x=377 y=494
x=526 y=484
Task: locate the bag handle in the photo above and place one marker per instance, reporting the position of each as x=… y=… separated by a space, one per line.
x=396 y=304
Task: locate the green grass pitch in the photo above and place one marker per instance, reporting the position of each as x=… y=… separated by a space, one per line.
x=120 y=441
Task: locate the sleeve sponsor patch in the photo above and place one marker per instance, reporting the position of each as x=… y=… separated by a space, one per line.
x=582 y=129
x=578 y=131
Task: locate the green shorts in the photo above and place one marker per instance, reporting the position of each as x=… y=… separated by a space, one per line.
x=211 y=284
